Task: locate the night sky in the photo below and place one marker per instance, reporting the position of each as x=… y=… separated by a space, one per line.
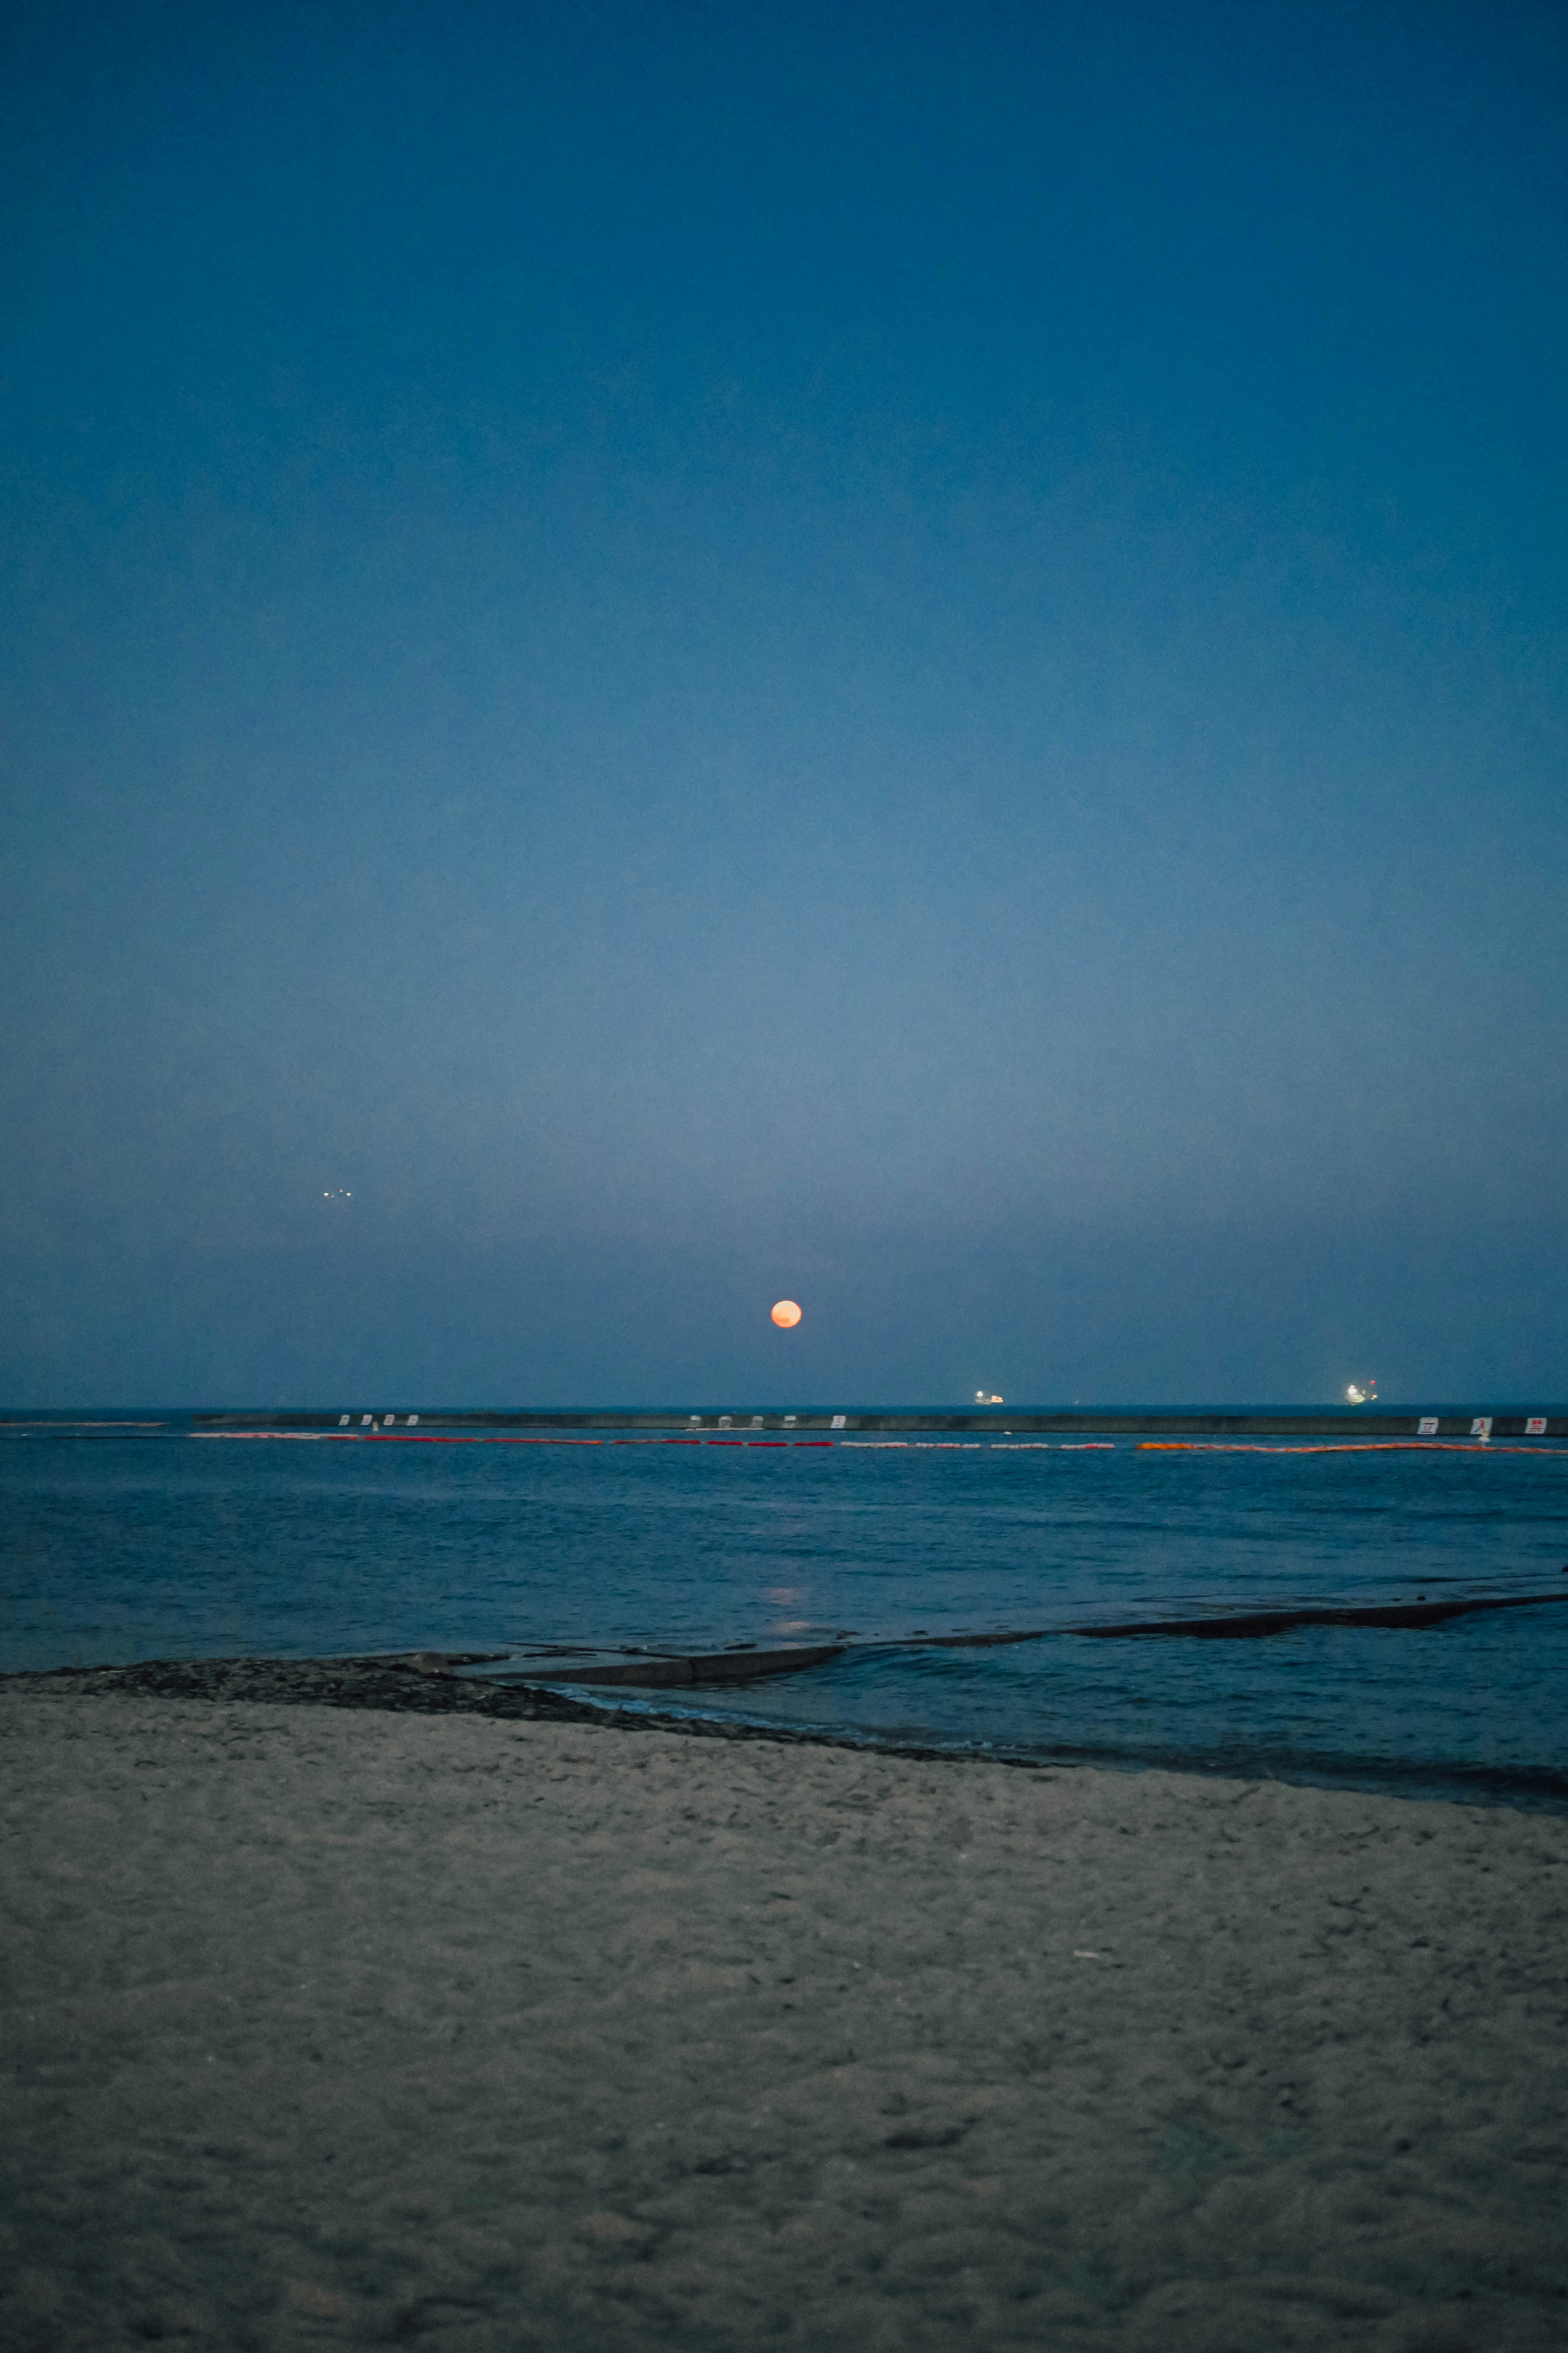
x=910 y=656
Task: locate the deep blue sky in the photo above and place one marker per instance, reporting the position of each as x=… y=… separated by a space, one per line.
x=909 y=655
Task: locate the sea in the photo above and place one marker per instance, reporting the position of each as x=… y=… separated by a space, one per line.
x=131 y=1536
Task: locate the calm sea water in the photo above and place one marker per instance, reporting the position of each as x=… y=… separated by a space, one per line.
x=115 y=1548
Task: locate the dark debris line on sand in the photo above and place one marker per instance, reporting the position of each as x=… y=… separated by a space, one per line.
x=423 y=1684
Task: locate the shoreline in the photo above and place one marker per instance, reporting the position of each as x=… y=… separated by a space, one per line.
x=332 y=2024
x=423 y=1682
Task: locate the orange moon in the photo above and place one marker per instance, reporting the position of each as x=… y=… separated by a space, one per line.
x=786 y=1313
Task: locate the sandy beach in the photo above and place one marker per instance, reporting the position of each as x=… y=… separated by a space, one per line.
x=357 y=2026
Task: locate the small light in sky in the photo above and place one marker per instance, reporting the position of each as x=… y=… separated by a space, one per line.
x=786 y=1315
x=1357 y=1395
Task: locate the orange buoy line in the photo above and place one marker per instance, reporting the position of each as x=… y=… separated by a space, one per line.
x=1479 y=1446
x=1357 y=1446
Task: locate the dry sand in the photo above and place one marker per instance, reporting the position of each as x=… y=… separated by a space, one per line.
x=327 y=2027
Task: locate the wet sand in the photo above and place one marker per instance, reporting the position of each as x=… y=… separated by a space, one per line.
x=329 y=2025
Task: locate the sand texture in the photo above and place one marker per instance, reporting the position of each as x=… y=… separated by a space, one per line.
x=341 y=2027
